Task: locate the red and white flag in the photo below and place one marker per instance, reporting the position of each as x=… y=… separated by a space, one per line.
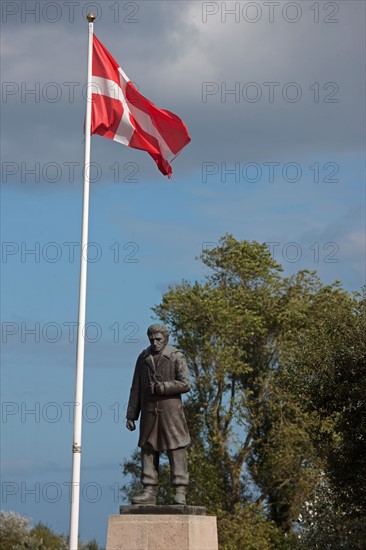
x=121 y=113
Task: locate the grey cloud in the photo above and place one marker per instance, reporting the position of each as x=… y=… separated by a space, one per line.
x=170 y=53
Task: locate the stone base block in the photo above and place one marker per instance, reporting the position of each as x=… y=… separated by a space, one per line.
x=159 y=509
x=161 y=532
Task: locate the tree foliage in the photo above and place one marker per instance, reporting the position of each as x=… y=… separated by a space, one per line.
x=16 y=533
x=275 y=392
x=325 y=369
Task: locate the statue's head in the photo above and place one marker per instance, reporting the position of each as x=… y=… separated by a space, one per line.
x=158 y=335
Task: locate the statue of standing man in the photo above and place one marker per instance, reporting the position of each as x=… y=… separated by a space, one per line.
x=161 y=376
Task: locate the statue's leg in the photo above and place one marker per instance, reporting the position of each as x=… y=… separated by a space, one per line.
x=150 y=467
x=149 y=477
x=179 y=473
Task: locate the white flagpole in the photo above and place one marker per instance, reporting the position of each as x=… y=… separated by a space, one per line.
x=78 y=404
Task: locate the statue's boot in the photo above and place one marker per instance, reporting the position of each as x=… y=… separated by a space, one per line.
x=180 y=494
x=148 y=496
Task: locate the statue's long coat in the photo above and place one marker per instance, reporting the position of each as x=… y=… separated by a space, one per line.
x=162 y=424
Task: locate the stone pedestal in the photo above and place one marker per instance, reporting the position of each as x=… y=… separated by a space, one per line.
x=162 y=528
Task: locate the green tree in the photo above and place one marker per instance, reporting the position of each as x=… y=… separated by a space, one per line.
x=47 y=539
x=254 y=459
x=90 y=545
x=324 y=368
x=16 y=534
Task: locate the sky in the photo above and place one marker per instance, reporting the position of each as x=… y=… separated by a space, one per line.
x=273 y=96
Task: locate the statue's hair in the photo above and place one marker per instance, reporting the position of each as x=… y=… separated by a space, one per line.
x=153 y=329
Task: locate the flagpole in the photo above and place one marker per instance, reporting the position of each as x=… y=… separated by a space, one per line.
x=78 y=403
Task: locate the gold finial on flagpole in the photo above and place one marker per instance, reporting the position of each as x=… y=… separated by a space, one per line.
x=90 y=17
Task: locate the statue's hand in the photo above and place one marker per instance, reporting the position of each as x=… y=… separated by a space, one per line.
x=130 y=425
x=159 y=388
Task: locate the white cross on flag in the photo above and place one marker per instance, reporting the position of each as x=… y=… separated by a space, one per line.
x=121 y=113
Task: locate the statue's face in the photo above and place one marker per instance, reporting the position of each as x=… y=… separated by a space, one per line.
x=157 y=341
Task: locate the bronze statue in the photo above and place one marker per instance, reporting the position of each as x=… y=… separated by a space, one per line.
x=161 y=376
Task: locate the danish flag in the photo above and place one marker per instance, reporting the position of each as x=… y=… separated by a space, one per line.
x=121 y=113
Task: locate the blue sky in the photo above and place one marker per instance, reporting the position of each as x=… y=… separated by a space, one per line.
x=186 y=57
